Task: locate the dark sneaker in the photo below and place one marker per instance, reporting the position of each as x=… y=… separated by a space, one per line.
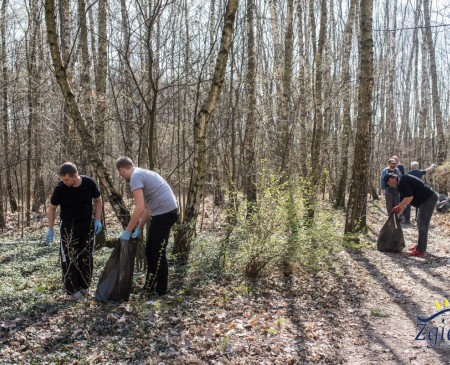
x=416 y=252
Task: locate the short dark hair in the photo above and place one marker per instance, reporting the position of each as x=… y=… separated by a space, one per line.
x=391 y=175
x=68 y=168
x=125 y=162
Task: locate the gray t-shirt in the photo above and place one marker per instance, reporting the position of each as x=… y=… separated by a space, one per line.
x=157 y=193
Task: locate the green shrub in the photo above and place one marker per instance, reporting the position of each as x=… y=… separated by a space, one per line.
x=317 y=242
x=261 y=238
x=273 y=238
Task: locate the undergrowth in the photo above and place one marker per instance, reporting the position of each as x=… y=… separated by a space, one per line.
x=275 y=237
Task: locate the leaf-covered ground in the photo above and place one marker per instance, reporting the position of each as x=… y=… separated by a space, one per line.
x=360 y=310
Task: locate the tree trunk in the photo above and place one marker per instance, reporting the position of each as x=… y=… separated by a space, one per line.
x=441 y=144
x=286 y=105
x=186 y=230
x=250 y=127
x=67 y=55
x=106 y=183
x=303 y=149
x=127 y=92
x=276 y=87
x=5 y=118
x=347 y=104
x=424 y=103
x=85 y=82
x=316 y=168
x=357 y=204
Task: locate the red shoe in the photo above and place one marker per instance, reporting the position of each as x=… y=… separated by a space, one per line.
x=416 y=252
x=412 y=248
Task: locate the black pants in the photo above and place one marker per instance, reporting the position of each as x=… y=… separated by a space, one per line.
x=77 y=245
x=157 y=267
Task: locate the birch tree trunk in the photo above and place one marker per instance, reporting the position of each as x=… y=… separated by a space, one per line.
x=100 y=79
x=405 y=126
x=85 y=82
x=65 y=25
x=105 y=181
x=316 y=168
x=302 y=139
x=5 y=116
x=441 y=144
x=33 y=32
x=286 y=105
x=357 y=204
x=250 y=127
x=276 y=87
x=126 y=92
x=347 y=104
x=424 y=103
x=186 y=230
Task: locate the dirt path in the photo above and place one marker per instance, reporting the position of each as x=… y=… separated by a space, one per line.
x=398 y=289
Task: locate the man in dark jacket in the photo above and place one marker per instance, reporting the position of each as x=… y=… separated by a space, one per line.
x=420 y=173
x=419 y=195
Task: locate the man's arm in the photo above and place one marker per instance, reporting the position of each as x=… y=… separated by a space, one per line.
x=144 y=218
x=98 y=207
x=430 y=169
x=51 y=214
x=405 y=201
x=403 y=204
x=139 y=209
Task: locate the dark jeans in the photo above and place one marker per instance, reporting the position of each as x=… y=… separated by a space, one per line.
x=158 y=237
x=407 y=213
x=76 y=249
x=392 y=198
x=426 y=210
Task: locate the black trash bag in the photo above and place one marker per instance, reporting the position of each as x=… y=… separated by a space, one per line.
x=117 y=277
x=391 y=238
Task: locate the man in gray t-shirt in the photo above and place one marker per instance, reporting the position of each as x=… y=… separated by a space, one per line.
x=157 y=193
x=153 y=197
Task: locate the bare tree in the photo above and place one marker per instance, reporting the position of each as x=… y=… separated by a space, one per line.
x=355 y=220
x=317 y=137
x=250 y=126
x=67 y=54
x=286 y=104
x=347 y=104
x=441 y=143
x=100 y=79
x=114 y=198
x=5 y=116
x=187 y=229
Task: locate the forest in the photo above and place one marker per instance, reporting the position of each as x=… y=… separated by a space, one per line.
x=271 y=120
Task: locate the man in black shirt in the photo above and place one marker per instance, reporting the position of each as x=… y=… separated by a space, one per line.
x=420 y=173
x=419 y=195
x=74 y=194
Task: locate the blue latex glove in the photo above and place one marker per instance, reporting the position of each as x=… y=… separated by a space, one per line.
x=125 y=235
x=49 y=237
x=136 y=233
x=97 y=226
